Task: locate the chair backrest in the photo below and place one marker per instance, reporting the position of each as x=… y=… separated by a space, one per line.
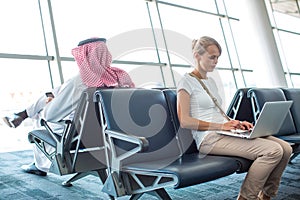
x=258 y=98
x=185 y=138
x=240 y=106
x=144 y=113
x=84 y=146
x=294 y=95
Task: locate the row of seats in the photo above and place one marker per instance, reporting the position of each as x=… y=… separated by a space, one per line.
x=248 y=102
x=132 y=140
x=148 y=151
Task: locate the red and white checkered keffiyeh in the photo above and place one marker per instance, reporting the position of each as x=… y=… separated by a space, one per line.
x=94 y=60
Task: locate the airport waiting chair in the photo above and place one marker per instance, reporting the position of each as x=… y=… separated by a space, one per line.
x=185 y=139
x=240 y=106
x=80 y=148
x=287 y=132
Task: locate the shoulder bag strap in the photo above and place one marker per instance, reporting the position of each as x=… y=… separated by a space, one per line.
x=211 y=96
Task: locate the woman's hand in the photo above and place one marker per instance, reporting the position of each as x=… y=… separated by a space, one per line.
x=232 y=124
x=236 y=124
x=244 y=125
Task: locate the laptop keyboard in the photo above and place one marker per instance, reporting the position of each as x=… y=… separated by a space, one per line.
x=240 y=131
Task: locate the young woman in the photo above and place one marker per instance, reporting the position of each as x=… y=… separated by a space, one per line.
x=197 y=111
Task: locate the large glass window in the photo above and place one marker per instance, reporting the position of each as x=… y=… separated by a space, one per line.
x=286 y=22
x=82 y=19
x=182 y=24
x=21 y=82
x=21 y=30
x=296 y=80
x=291 y=42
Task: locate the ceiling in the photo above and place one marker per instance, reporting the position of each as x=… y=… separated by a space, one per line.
x=290 y=7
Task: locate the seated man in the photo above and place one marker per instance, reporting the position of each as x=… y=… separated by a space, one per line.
x=94 y=61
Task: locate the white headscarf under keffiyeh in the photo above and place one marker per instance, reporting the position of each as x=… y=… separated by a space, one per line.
x=94 y=59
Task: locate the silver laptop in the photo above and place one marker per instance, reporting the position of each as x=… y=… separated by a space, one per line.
x=268 y=123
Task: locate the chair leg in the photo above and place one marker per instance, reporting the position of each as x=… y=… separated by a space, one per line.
x=296 y=152
x=102 y=175
x=293 y=156
x=136 y=196
x=159 y=193
x=77 y=176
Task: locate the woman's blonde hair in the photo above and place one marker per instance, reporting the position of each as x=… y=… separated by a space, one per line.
x=200 y=45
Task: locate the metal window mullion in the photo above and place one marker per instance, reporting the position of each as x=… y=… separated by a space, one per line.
x=287 y=31
x=227 y=48
x=298 y=6
x=55 y=42
x=165 y=43
x=196 y=10
x=123 y=62
x=295 y=74
x=159 y=64
x=22 y=56
x=235 y=48
x=45 y=43
x=283 y=57
x=138 y=63
x=279 y=44
x=155 y=42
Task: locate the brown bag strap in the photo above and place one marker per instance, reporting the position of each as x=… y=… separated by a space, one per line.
x=211 y=96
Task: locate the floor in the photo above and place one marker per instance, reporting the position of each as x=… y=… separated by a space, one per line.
x=14 y=184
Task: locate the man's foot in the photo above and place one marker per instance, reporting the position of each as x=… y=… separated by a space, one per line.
x=13 y=121
x=32 y=169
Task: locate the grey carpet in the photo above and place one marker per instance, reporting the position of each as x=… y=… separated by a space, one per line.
x=14 y=184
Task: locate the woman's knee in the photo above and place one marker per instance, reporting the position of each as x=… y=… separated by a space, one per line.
x=276 y=152
x=288 y=150
x=281 y=147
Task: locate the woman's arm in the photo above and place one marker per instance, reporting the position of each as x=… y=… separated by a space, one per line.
x=186 y=121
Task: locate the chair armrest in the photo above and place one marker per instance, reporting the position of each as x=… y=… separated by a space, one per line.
x=59 y=138
x=61 y=122
x=142 y=142
x=141 y=145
